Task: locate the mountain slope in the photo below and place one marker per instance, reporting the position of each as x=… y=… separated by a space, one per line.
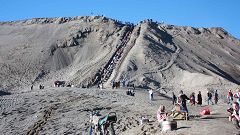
x=87 y=50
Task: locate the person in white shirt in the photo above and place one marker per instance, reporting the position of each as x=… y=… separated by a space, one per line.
x=151 y=94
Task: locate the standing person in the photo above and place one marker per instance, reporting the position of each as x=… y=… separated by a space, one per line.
x=151 y=94
x=209 y=95
x=113 y=84
x=192 y=99
x=32 y=87
x=230 y=96
x=174 y=98
x=199 y=98
x=123 y=83
x=237 y=96
x=216 y=97
x=182 y=98
x=100 y=86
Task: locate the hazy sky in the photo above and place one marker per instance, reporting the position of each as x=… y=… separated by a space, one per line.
x=196 y=13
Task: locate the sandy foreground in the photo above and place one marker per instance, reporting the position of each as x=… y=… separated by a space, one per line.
x=57 y=111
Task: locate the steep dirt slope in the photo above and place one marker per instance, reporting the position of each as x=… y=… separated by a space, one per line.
x=87 y=50
x=181 y=57
x=44 y=49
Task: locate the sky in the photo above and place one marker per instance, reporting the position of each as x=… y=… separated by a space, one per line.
x=195 y=13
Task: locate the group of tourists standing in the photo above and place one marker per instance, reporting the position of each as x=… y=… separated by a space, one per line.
x=192 y=98
x=182 y=98
x=230 y=96
x=117 y=84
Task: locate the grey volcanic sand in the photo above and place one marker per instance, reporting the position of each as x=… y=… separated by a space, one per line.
x=65 y=111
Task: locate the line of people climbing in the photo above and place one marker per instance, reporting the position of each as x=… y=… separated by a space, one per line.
x=104 y=73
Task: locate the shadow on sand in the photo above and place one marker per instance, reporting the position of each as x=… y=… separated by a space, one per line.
x=182 y=128
x=164 y=95
x=215 y=117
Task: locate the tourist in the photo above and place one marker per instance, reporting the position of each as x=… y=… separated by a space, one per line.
x=151 y=94
x=230 y=96
x=113 y=84
x=182 y=98
x=199 y=98
x=236 y=114
x=161 y=114
x=237 y=96
x=216 y=97
x=174 y=98
x=192 y=99
x=209 y=95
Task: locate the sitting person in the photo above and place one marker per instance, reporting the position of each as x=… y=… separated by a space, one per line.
x=130 y=92
x=161 y=114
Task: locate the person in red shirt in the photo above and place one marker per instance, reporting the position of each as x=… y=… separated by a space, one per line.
x=230 y=96
x=161 y=114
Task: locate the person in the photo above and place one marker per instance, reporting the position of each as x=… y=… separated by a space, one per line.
x=199 y=98
x=216 y=97
x=237 y=96
x=128 y=92
x=123 y=83
x=161 y=114
x=113 y=84
x=151 y=94
x=174 y=98
x=209 y=95
x=32 y=87
x=230 y=96
x=100 y=86
x=182 y=98
x=236 y=114
x=192 y=99
x=116 y=84
x=132 y=92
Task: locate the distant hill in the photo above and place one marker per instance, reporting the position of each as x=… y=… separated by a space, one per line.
x=91 y=49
